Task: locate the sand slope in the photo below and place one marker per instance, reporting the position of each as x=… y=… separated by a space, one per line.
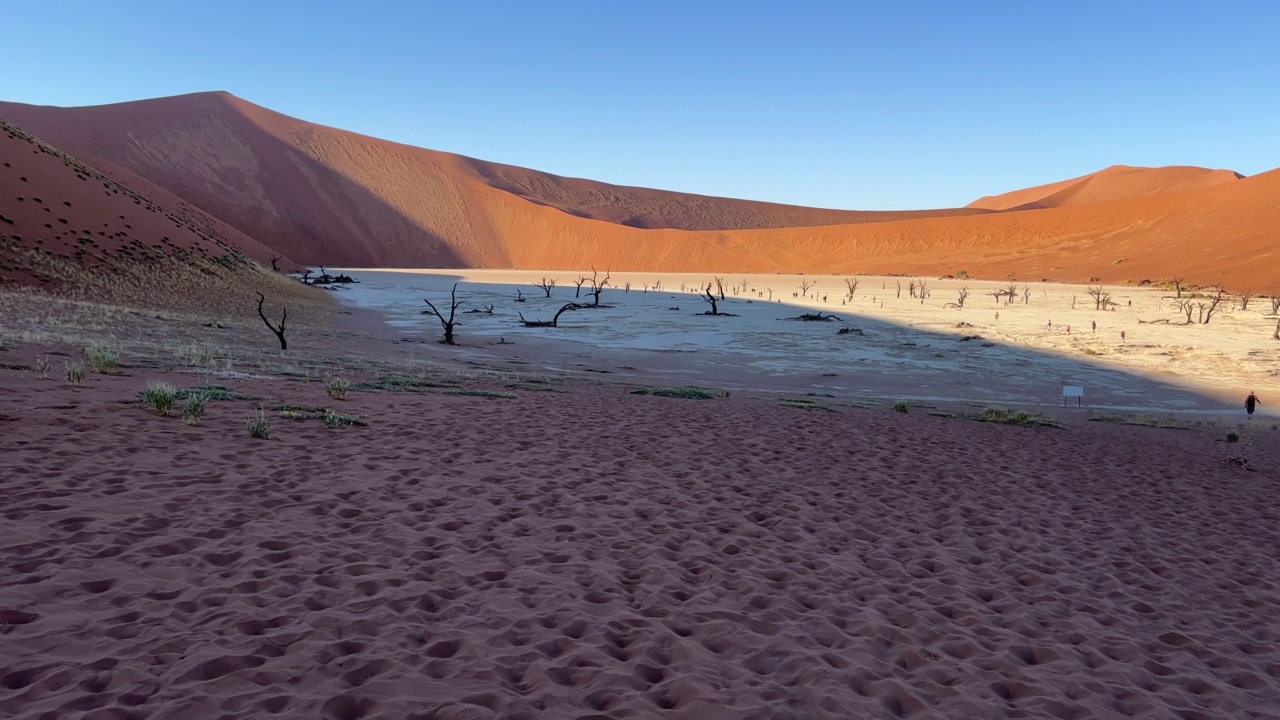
x=69 y=228
x=458 y=558
x=1118 y=182
x=337 y=197
x=326 y=196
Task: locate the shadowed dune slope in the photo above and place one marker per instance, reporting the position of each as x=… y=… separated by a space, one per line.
x=71 y=229
x=322 y=195
x=1118 y=182
x=326 y=195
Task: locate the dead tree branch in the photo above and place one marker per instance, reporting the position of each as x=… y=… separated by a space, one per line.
x=278 y=331
x=449 y=324
x=553 y=322
x=546 y=284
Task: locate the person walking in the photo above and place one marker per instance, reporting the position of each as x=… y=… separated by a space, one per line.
x=1250 y=403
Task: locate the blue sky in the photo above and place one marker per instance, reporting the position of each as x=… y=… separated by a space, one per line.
x=863 y=105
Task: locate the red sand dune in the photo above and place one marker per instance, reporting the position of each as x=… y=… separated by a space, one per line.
x=1118 y=182
x=326 y=196
x=66 y=226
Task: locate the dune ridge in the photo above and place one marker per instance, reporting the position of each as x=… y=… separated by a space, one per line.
x=325 y=196
x=1118 y=182
x=69 y=228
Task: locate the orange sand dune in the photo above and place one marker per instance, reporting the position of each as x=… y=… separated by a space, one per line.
x=322 y=195
x=331 y=196
x=66 y=226
x=1118 y=182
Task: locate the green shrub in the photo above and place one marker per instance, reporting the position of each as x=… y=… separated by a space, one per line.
x=75 y=372
x=258 y=426
x=159 y=396
x=900 y=407
x=1233 y=436
x=193 y=409
x=688 y=393
x=334 y=420
x=42 y=367
x=101 y=360
x=337 y=388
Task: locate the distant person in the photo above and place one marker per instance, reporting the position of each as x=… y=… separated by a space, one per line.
x=1250 y=403
x=1122 y=336
x=1094 y=324
x=1050 y=324
x=1068 y=329
x=997 y=316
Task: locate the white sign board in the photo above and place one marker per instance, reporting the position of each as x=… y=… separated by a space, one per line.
x=1073 y=391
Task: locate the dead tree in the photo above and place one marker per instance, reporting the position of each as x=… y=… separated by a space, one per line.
x=1207 y=311
x=1186 y=307
x=1276 y=334
x=770 y=293
x=720 y=287
x=306 y=275
x=657 y=285
x=582 y=279
x=923 y=288
x=1026 y=294
x=1101 y=298
x=553 y=322
x=275 y=263
x=997 y=294
x=1275 y=304
x=448 y=325
x=1011 y=293
x=899 y=288
x=805 y=284
x=597 y=287
x=711 y=298
x=1245 y=297
x=626 y=288
x=851 y=285
x=546 y=285
x=1177 y=285
x=911 y=288
x=519 y=295
x=960 y=298
x=488 y=310
x=278 y=331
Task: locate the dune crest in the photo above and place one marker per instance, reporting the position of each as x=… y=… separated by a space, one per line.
x=1118 y=182
x=326 y=196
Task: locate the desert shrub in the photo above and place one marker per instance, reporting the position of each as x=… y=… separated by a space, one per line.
x=334 y=420
x=258 y=426
x=75 y=372
x=337 y=388
x=193 y=409
x=1233 y=436
x=900 y=407
x=42 y=367
x=483 y=393
x=1010 y=417
x=160 y=397
x=101 y=360
x=688 y=393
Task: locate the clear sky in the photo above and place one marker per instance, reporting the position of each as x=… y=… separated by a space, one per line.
x=863 y=105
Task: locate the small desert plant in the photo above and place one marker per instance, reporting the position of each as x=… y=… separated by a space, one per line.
x=101 y=360
x=1233 y=436
x=334 y=420
x=193 y=409
x=159 y=396
x=258 y=427
x=483 y=393
x=688 y=393
x=75 y=372
x=337 y=388
x=900 y=407
x=42 y=367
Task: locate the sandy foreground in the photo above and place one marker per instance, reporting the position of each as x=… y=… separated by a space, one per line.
x=577 y=551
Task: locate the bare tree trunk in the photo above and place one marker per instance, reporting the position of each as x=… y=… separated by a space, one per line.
x=453 y=307
x=278 y=331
